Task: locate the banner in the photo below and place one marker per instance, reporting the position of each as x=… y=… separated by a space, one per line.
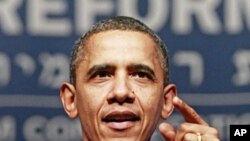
x=208 y=43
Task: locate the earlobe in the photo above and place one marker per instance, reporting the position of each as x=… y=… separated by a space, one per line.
x=169 y=93
x=68 y=98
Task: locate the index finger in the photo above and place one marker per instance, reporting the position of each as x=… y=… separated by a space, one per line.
x=189 y=114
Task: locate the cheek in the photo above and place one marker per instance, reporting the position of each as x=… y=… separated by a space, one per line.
x=150 y=99
x=89 y=103
x=151 y=102
x=92 y=98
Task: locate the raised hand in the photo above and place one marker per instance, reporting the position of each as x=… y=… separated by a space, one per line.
x=193 y=129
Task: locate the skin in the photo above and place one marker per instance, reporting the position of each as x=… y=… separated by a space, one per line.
x=121 y=76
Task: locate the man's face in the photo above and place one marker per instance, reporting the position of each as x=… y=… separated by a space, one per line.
x=119 y=91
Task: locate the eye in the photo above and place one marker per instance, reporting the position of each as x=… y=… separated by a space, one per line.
x=142 y=75
x=101 y=74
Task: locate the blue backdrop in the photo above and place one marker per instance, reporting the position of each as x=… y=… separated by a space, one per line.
x=208 y=41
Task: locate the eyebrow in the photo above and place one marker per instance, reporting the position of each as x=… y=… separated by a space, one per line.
x=98 y=68
x=130 y=68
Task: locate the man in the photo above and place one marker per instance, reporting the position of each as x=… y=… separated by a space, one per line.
x=119 y=86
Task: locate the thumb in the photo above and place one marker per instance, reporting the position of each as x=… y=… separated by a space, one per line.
x=167 y=131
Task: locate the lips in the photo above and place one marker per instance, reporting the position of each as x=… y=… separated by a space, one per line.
x=120 y=120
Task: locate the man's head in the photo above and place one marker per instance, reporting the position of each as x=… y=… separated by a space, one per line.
x=119 y=81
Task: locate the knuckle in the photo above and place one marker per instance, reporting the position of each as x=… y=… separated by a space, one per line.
x=188 y=137
x=183 y=127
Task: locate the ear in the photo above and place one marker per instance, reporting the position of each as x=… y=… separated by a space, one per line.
x=169 y=93
x=68 y=98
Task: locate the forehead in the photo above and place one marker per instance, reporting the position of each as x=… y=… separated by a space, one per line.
x=125 y=43
x=120 y=48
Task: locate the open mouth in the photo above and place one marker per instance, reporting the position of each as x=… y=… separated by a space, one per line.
x=121 y=120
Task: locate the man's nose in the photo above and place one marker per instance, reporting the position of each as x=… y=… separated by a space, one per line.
x=121 y=92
